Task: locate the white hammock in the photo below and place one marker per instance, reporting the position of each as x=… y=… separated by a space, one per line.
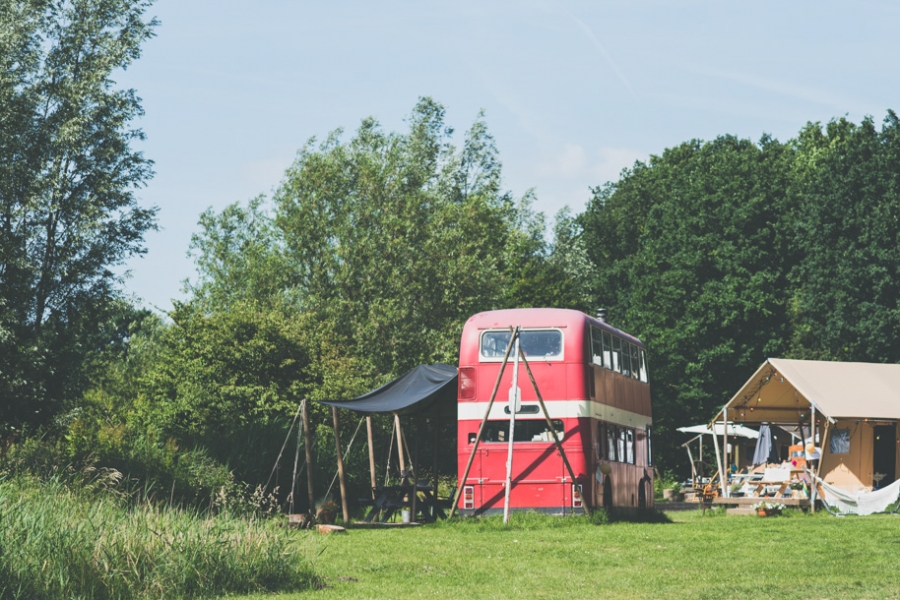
x=862 y=503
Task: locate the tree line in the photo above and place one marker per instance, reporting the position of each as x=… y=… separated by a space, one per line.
x=373 y=252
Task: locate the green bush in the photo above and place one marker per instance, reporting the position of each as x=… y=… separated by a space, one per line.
x=85 y=539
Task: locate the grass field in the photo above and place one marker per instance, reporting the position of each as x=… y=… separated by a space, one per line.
x=791 y=556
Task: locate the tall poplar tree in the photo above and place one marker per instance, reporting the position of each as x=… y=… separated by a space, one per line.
x=68 y=176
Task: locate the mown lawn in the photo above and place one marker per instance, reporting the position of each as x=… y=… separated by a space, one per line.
x=793 y=556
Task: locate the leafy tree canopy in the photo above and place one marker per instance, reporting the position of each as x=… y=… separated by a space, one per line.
x=68 y=175
x=720 y=254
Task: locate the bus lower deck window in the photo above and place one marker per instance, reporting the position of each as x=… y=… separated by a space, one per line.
x=527 y=430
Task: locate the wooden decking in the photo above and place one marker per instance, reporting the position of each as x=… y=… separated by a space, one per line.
x=748 y=501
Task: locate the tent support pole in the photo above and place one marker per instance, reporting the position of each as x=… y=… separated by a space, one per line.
x=822 y=453
x=296 y=461
x=825 y=440
x=559 y=446
x=400 y=449
x=340 y=464
x=725 y=465
x=437 y=450
x=415 y=481
x=371 y=452
x=461 y=483
x=718 y=457
x=812 y=440
x=693 y=469
x=307 y=440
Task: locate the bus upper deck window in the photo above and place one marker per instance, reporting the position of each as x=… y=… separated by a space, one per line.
x=494 y=343
x=541 y=344
x=644 y=375
x=626 y=359
x=607 y=351
x=535 y=343
x=596 y=346
x=617 y=355
x=635 y=361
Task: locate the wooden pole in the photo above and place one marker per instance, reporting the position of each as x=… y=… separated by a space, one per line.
x=725 y=491
x=812 y=440
x=513 y=407
x=559 y=446
x=415 y=481
x=437 y=449
x=296 y=461
x=460 y=484
x=693 y=469
x=307 y=438
x=371 y=453
x=822 y=447
x=718 y=456
x=400 y=448
x=340 y=464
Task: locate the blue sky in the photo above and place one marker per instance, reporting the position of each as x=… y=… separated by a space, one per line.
x=573 y=91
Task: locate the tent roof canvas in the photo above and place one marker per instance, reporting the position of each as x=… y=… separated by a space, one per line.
x=782 y=391
x=425 y=389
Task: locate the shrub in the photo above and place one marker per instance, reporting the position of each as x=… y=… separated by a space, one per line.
x=65 y=539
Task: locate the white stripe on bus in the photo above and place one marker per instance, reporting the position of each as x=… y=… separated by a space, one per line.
x=558 y=409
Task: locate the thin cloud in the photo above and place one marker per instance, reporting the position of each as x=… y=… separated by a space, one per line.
x=604 y=54
x=790 y=90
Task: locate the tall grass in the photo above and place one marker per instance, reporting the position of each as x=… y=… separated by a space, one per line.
x=60 y=539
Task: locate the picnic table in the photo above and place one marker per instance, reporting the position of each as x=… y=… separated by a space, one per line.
x=773 y=477
x=390 y=498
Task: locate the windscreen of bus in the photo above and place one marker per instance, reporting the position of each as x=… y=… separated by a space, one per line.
x=535 y=343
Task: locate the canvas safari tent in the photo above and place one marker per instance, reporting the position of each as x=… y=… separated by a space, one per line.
x=850 y=411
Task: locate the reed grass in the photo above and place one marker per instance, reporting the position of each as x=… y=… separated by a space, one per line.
x=62 y=539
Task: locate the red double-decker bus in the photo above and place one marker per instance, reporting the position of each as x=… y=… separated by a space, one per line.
x=594 y=381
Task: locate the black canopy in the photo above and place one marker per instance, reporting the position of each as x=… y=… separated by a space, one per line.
x=425 y=389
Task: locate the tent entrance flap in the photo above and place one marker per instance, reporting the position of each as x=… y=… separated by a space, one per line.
x=426 y=389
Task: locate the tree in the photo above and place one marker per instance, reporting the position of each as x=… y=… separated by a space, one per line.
x=847 y=300
x=68 y=176
x=693 y=251
x=396 y=239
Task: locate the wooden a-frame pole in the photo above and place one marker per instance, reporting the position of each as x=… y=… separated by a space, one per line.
x=307 y=440
x=400 y=445
x=559 y=446
x=415 y=465
x=340 y=463
x=462 y=482
x=371 y=452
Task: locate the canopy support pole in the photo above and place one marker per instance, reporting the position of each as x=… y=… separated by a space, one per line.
x=725 y=466
x=461 y=483
x=559 y=446
x=715 y=439
x=340 y=464
x=307 y=439
x=812 y=440
x=296 y=461
x=371 y=452
x=437 y=450
x=693 y=468
x=400 y=448
x=825 y=440
x=415 y=480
